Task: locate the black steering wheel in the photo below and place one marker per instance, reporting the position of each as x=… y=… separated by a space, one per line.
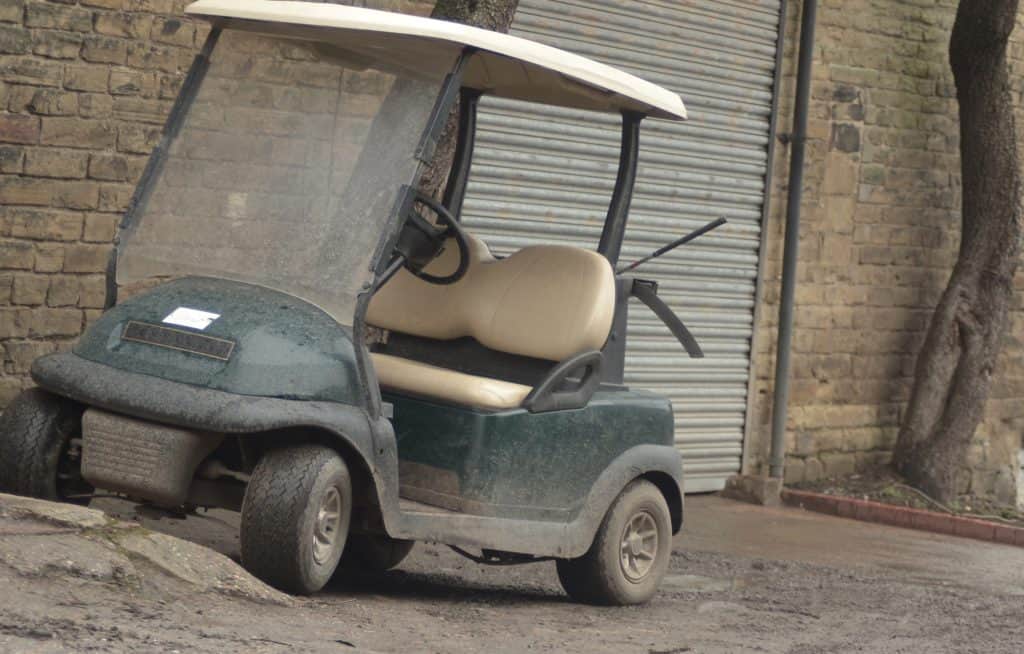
x=438 y=236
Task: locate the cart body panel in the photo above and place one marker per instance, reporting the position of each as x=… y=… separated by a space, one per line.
x=262 y=342
x=516 y=464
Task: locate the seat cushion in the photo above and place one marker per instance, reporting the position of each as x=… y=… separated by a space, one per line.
x=544 y=301
x=407 y=376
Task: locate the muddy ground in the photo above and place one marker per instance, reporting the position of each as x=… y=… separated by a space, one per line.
x=744 y=579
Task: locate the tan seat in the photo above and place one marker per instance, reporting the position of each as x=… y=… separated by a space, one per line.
x=546 y=302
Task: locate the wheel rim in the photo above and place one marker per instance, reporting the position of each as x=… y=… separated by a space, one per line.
x=328 y=523
x=639 y=546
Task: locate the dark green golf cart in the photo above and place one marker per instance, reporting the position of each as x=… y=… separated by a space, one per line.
x=296 y=332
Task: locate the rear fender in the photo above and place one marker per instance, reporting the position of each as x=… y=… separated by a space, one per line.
x=660 y=464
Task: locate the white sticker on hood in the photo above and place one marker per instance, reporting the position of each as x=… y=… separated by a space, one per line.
x=193 y=318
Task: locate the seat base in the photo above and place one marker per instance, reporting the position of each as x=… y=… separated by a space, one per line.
x=424 y=380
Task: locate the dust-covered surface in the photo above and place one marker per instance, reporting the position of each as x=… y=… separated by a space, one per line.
x=745 y=579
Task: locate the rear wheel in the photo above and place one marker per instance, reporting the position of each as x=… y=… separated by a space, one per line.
x=41 y=448
x=374 y=553
x=295 y=517
x=630 y=553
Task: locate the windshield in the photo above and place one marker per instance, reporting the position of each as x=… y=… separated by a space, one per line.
x=286 y=170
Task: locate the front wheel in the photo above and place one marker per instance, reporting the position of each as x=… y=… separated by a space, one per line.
x=630 y=553
x=41 y=448
x=295 y=517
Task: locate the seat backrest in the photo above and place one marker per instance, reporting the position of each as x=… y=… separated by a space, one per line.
x=546 y=301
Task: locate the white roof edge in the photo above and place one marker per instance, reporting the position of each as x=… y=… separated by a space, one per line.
x=661 y=102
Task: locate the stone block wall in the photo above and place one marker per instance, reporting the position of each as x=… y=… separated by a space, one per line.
x=879 y=232
x=85 y=88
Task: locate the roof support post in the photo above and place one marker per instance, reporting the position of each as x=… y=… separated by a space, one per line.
x=618 y=211
x=458 y=178
x=380 y=263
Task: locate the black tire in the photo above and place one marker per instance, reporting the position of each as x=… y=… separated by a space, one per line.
x=374 y=553
x=37 y=456
x=280 y=517
x=600 y=576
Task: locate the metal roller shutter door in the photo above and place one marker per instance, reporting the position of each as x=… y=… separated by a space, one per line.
x=546 y=175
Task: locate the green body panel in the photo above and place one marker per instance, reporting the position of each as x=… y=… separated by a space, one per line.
x=284 y=347
x=517 y=464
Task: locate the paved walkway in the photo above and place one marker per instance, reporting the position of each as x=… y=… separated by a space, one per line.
x=786 y=534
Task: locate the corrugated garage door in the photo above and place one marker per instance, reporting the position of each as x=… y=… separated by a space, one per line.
x=547 y=175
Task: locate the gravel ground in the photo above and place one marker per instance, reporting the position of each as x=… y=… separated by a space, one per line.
x=743 y=580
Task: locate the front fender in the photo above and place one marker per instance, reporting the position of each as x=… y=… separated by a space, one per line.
x=192 y=407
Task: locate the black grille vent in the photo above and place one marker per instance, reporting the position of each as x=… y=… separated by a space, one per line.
x=177 y=339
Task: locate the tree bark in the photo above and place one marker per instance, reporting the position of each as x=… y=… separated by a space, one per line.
x=495 y=15
x=956 y=363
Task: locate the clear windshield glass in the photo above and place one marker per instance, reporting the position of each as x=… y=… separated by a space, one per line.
x=286 y=170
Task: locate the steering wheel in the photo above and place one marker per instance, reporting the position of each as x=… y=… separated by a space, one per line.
x=439 y=235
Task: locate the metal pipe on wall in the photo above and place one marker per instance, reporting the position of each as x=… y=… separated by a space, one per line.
x=792 y=237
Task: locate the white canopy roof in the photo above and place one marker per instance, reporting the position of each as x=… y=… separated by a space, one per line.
x=505 y=65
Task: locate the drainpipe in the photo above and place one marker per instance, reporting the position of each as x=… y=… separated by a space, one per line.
x=798 y=142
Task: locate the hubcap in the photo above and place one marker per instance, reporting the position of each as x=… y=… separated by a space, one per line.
x=328 y=521
x=639 y=546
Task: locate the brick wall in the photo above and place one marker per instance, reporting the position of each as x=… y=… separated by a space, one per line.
x=85 y=87
x=878 y=237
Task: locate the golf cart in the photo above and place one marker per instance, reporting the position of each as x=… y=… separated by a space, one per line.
x=296 y=332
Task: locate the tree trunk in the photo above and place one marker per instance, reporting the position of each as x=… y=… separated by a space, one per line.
x=956 y=362
x=495 y=15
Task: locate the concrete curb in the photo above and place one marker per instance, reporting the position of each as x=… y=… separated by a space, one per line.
x=899 y=516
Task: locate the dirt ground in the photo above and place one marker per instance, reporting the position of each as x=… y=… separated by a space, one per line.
x=743 y=579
